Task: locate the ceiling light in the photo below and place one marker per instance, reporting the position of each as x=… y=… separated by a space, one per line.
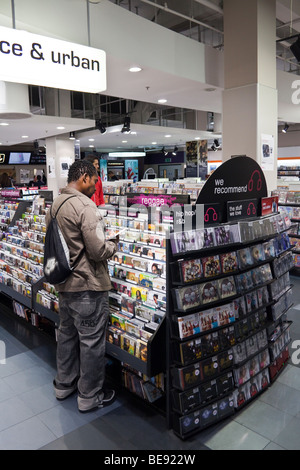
x=164 y=151
x=285 y=129
x=124 y=141
x=91 y=146
x=60 y=127
x=153 y=143
x=295 y=48
x=91 y=140
x=24 y=136
x=175 y=150
x=197 y=138
x=135 y=69
x=162 y=101
x=4 y=124
x=126 y=125
x=168 y=135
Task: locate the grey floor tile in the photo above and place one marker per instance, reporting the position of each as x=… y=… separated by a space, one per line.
x=289 y=438
x=29 y=379
x=283 y=398
x=17 y=363
x=40 y=399
x=263 y=419
x=13 y=411
x=273 y=446
x=235 y=436
x=290 y=376
x=6 y=391
x=31 y=434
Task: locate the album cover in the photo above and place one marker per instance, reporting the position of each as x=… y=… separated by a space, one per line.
x=208 y=391
x=253 y=387
x=239 y=353
x=159 y=284
x=251 y=301
x=145 y=280
x=134 y=249
x=235 y=236
x=225 y=383
x=156 y=268
x=210 y=344
x=242 y=374
x=241 y=396
x=246 y=232
x=209 y=415
x=210 y=368
x=226 y=287
x=262 y=339
x=265 y=272
x=211 y=266
x=132 y=276
x=251 y=345
x=140 y=264
x=156 y=299
x=263 y=379
x=120 y=272
x=222 y=235
x=264 y=359
x=229 y=262
x=113 y=335
x=184 y=402
x=128 y=344
x=125 y=247
x=257 y=253
x=139 y=294
x=241 y=329
x=209 y=292
x=225 y=407
x=188 y=325
x=240 y=308
x=225 y=360
x=148 y=252
x=208 y=238
x=191 y=351
x=225 y=314
x=208 y=320
x=143 y=347
x=245 y=258
x=190 y=376
x=191 y=270
x=127 y=304
x=244 y=282
x=188 y=297
x=143 y=312
x=227 y=337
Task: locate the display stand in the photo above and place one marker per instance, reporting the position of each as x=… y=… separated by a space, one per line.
x=229 y=295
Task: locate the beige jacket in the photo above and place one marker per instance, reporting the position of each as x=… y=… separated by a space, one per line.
x=83 y=229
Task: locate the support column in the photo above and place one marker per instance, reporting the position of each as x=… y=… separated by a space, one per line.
x=250 y=94
x=60 y=154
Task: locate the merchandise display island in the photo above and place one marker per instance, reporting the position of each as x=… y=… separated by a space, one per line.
x=200 y=292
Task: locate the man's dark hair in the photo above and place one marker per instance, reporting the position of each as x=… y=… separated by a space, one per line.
x=79 y=168
x=91 y=158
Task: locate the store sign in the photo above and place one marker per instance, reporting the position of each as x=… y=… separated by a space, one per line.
x=242 y=209
x=238 y=179
x=39 y=60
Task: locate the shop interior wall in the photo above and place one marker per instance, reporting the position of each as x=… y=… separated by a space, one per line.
x=16 y=169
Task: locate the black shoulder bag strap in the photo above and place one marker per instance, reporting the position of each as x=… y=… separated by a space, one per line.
x=54 y=217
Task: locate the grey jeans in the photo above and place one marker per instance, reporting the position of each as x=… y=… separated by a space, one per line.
x=81 y=341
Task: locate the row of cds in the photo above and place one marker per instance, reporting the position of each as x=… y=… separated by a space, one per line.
x=242 y=232
x=190 y=297
x=193 y=270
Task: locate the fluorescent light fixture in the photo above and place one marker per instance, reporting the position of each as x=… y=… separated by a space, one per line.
x=168 y=135
x=4 y=124
x=60 y=127
x=91 y=140
x=25 y=136
x=153 y=143
x=127 y=154
x=162 y=101
x=135 y=69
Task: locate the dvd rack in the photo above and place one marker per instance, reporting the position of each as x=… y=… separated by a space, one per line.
x=226 y=318
x=289 y=203
x=136 y=330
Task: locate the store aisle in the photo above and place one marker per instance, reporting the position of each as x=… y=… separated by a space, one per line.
x=31 y=417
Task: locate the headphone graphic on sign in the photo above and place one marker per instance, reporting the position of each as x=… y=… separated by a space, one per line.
x=251 y=182
x=249 y=209
x=215 y=215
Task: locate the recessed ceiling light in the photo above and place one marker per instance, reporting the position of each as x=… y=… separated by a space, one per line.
x=168 y=135
x=4 y=124
x=60 y=127
x=91 y=140
x=162 y=100
x=91 y=146
x=135 y=69
x=197 y=138
x=24 y=136
x=124 y=141
x=153 y=143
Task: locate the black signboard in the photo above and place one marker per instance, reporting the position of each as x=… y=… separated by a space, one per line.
x=246 y=209
x=237 y=179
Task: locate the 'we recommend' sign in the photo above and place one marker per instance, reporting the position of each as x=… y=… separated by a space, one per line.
x=39 y=60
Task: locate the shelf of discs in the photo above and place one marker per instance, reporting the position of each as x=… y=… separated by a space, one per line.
x=21 y=265
x=136 y=330
x=289 y=203
x=229 y=294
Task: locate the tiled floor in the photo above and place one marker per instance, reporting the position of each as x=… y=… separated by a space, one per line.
x=31 y=417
